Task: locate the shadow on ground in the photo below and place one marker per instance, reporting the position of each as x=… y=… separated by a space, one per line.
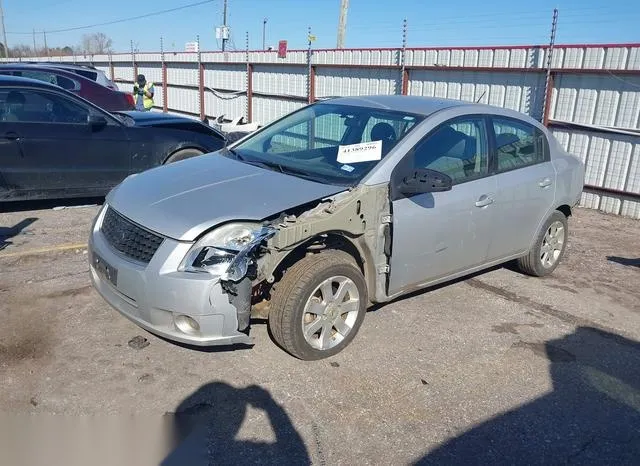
x=6 y=233
x=22 y=206
x=206 y=425
x=625 y=261
x=592 y=416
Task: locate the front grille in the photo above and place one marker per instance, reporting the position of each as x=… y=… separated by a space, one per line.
x=128 y=238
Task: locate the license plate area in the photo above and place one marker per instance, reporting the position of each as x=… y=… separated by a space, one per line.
x=105 y=270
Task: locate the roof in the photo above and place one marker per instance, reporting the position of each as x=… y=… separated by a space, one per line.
x=404 y=103
x=18 y=81
x=425 y=106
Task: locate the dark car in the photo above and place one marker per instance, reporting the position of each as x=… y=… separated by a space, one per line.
x=83 y=69
x=54 y=144
x=98 y=94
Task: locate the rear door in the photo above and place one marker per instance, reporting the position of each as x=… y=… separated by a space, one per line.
x=526 y=183
x=71 y=156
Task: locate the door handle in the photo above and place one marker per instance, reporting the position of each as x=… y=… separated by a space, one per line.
x=545 y=183
x=12 y=136
x=484 y=200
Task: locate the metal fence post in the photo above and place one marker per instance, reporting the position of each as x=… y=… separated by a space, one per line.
x=548 y=85
x=165 y=105
x=249 y=81
x=200 y=82
x=111 y=69
x=311 y=72
x=134 y=63
x=403 y=69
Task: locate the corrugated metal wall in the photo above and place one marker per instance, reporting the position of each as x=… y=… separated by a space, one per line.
x=594 y=102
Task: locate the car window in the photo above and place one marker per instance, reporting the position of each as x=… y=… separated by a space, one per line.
x=518 y=144
x=331 y=143
x=50 y=77
x=458 y=149
x=35 y=106
x=88 y=74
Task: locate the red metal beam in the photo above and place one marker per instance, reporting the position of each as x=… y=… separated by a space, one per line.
x=312 y=84
x=479 y=47
x=249 y=92
x=405 y=81
x=165 y=98
x=201 y=89
x=615 y=192
x=547 y=103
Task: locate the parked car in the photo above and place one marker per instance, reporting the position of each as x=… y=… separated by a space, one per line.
x=54 y=144
x=108 y=99
x=88 y=71
x=341 y=204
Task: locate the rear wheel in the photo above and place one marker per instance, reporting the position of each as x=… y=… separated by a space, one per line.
x=183 y=154
x=318 y=305
x=549 y=247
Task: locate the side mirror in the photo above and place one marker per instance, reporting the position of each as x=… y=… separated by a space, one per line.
x=96 y=121
x=423 y=180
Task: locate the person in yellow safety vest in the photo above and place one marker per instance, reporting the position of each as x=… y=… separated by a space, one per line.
x=143 y=94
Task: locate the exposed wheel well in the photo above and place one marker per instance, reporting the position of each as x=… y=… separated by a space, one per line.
x=316 y=245
x=565 y=209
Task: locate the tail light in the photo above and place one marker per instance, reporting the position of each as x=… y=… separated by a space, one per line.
x=130 y=100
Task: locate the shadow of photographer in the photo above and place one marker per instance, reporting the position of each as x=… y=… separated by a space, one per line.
x=206 y=425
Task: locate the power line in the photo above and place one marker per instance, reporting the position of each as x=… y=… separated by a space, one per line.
x=124 y=20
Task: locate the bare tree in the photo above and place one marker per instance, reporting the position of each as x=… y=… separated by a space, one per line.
x=96 y=43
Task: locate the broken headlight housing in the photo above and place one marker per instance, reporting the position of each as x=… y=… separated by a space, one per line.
x=225 y=251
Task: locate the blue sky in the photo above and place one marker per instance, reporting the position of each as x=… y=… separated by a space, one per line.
x=371 y=23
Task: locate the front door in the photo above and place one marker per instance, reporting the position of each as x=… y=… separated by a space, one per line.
x=70 y=155
x=439 y=234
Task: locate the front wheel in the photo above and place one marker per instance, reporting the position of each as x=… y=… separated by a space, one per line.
x=318 y=306
x=549 y=247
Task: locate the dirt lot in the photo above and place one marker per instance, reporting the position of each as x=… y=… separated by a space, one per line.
x=497 y=368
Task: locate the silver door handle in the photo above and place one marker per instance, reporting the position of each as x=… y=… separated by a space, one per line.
x=544 y=183
x=484 y=200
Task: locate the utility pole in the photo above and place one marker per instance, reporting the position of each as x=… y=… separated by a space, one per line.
x=46 y=49
x=264 y=33
x=342 y=24
x=35 y=53
x=224 y=26
x=548 y=81
x=4 y=32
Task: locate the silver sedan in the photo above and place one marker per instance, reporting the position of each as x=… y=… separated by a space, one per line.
x=339 y=205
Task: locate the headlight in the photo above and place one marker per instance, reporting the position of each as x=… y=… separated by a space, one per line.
x=225 y=250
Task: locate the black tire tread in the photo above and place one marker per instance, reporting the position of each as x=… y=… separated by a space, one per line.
x=291 y=285
x=529 y=264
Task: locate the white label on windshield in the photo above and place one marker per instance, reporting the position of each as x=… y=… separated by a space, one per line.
x=363 y=152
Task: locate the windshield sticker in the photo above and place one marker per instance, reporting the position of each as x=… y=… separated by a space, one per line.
x=363 y=152
x=347 y=168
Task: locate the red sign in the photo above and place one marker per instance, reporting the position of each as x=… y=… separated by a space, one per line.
x=282 y=49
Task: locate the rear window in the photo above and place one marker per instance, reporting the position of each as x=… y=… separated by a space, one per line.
x=87 y=74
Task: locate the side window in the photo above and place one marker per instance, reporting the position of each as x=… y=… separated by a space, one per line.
x=39 y=75
x=68 y=84
x=34 y=106
x=458 y=149
x=518 y=144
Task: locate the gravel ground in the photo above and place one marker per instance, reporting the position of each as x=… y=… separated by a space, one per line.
x=496 y=368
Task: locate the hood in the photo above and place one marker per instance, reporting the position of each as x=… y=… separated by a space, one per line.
x=152 y=118
x=184 y=199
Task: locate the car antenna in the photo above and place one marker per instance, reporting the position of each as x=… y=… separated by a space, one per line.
x=481 y=96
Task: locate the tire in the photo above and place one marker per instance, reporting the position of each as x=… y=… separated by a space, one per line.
x=547 y=252
x=301 y=289
x=183 y=154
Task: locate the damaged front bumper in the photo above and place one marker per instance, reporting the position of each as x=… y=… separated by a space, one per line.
x=193 y=308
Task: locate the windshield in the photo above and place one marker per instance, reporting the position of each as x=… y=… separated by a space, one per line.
x=329 y=143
